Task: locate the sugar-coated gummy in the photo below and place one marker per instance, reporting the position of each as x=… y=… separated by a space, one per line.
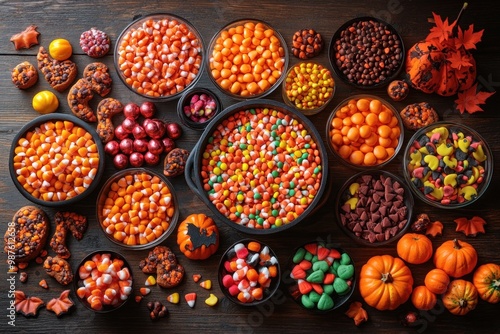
x=306 y=302
x=299 y=255
x=345 y=259
x=340 y=286
x=345 y=271
x=316 y=277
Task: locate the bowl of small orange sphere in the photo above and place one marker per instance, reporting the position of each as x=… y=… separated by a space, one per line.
x=365 y=131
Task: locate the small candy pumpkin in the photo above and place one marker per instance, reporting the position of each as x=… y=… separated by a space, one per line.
x=422 y=298
x=461 y=297
x=414 y=248
x=486 y=279
x=457 y=258
x=385 y=282
x=437 y=281
x=198 y=237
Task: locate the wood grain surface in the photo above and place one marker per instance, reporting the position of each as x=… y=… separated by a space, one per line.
x=68 y=19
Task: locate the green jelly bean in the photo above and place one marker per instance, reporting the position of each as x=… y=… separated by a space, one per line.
x=345 y=271
x=314 y=259
x=316 y=277
x=306 y=302
x=321 y=265
x=345 y=259
x=328 y=289
x=335 y=265
x=299 y=255
x=308 y=256
x=325 y=302
x=314 y=296
x=340 y=286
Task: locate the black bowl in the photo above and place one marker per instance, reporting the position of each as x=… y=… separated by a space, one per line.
x=185 y=101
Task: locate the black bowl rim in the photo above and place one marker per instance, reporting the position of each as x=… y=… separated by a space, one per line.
x=343 y=299
x=409 y=201
x=344 y=161
x=77 y=281
x=57 y=117
x=200 y=146
x=489 y=162
x=173 y=222
x=220 y=270
x=270 y=89
x=139 y=18
x=331 y=53
x=183 y=101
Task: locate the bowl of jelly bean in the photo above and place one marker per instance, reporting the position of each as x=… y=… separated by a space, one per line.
x=159 y=56
x=260 y=166
x=249 y=273
x=319 y=276
x=448 y=165
x=247 y=59
x=364 y=132
x=56 y=160
x=309 y=87
x=103 y=282
x=137 y=208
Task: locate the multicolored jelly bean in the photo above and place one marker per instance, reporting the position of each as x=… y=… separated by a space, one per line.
x=447 y=165
x=261 y=168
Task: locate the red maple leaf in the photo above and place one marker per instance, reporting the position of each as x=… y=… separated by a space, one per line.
x=469 y=100
x=457 y=60
x=468 y=38
x=443 y=30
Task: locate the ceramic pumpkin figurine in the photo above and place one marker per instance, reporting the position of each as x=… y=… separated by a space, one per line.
x=486 y=279
x=198 y=237
x=385 y=282
x=461 y=297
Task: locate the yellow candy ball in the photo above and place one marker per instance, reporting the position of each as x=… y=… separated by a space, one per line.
x=45 y=102
x=60 y=49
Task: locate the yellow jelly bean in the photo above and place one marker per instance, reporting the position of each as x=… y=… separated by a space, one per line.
x=450 y=180
x=45 y=102
x=416 y=157
x=468 y=192
x=432 y=161
x=479 y=154
x=211 y=300
x=475 y=175
x=353 y=188
x=444 y=149
x=437 y=193
x=463 y=144
x=352 y=202
x=450 y=162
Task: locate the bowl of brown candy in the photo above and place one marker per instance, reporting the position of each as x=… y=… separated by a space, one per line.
x=366 y=52
x=374 y=208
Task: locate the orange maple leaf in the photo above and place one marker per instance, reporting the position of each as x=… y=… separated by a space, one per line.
x=357 y=312
x=470 y=227
x=434 y=229
x=469 y=100
x=458 y=60
x=443 y=30
x=468 y=38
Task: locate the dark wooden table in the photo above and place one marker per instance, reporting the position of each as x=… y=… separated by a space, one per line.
x=68 y=19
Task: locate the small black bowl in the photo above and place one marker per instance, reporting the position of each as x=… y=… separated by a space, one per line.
x=185 y=101
x=359 y=53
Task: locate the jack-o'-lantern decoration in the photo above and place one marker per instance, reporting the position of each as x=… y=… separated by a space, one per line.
x=198 y=237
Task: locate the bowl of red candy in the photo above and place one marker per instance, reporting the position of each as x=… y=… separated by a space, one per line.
x=197 y=107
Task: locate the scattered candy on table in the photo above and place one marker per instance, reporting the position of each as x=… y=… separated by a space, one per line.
x=190 y=299
x=207 y=285
x=212 y=300
x=173 y=298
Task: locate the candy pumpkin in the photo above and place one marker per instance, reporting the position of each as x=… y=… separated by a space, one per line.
x=437 y=281
x=461 y=297
x=422 y=298
x=486 y=279
x=385 y=282
x=414 y=248
x=456 y=258
x=198 y=237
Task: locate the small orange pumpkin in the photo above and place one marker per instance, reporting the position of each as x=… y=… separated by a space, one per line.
x=198 y=237
x=457 y=258
x=461 y=297
x=385 y=282
x=486 y=279
x=414 y=248
x=437 y=281
x=422 y=298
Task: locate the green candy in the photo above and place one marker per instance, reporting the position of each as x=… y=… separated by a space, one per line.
x=340 y=286
x=308 y=256
x=345 y=271
x=325 y=302
x=328 y=289
x=321 y=265
x=306 y=302
x=314 y=259
x=345 y=259
x=316 y=277
x=299 y=255
x=314 y=296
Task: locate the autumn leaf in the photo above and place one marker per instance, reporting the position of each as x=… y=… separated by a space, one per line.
x=457 y=60
x=470 y=227
x=434 y=229
x=469 y=100
x=357 y=313
x=468 y=38
x=443 y=30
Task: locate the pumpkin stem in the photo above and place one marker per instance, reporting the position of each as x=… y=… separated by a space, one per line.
x=458 y=17
x=462 y=303
x=456 y=244
x=387 y=278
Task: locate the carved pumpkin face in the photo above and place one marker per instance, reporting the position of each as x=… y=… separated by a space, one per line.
x=198 y=237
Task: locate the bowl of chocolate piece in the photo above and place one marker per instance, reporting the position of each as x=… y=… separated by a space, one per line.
x=366 y=52
x=374 y=208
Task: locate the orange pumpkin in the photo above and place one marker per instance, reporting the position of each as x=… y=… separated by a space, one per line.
x=414 y=248
x=486 y=279
x=198 y=237
x=457 y=258
x=422 y=298
x=385 y=282
x=461 y=297
x=437 y=281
